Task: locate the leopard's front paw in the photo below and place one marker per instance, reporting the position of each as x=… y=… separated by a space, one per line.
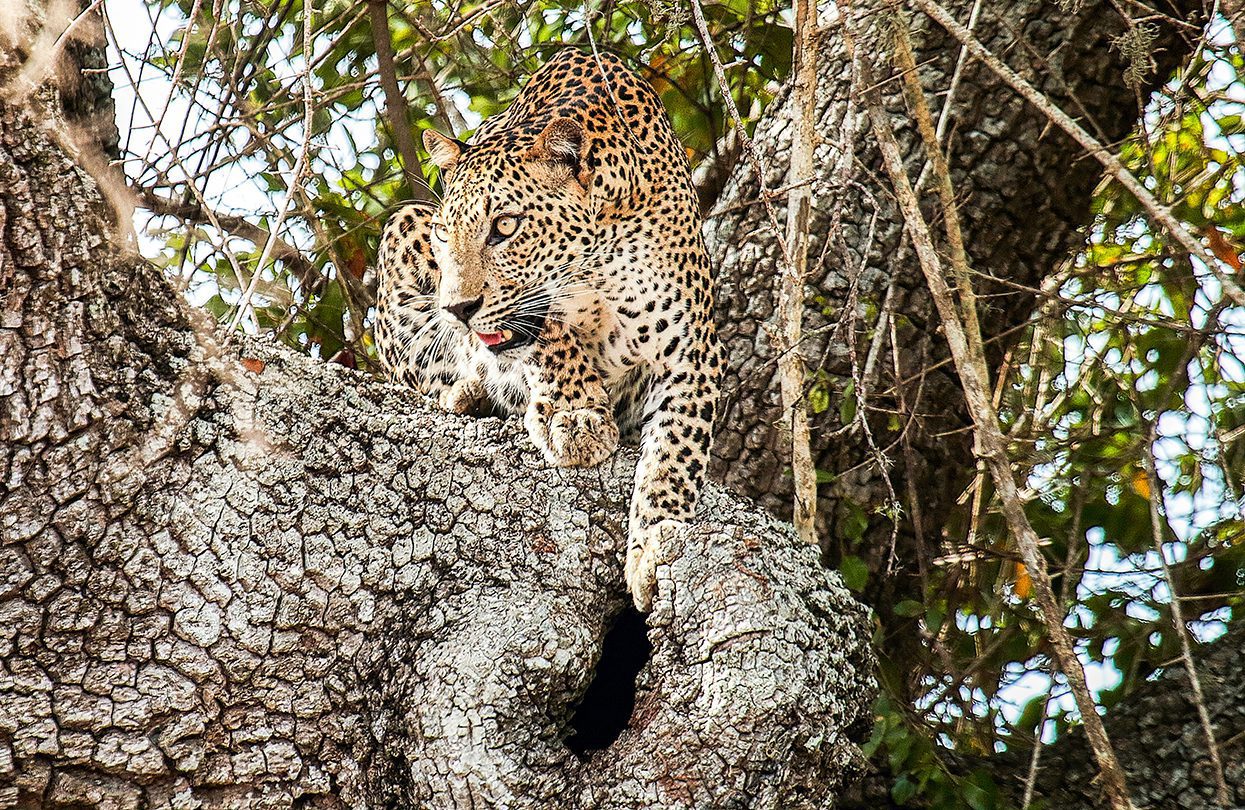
x=464 y=396
x=579 y=437
x=646 y=548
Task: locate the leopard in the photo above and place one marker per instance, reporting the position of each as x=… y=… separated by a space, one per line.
x=562 y=276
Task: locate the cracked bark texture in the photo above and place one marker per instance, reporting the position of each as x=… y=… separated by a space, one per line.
x=1024 y=191
x=282 y=584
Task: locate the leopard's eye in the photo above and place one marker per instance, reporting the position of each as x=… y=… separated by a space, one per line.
x=439 y=232
x=504 y=227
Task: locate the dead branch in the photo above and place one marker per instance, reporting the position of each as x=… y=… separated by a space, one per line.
x=1222 y=794
x=990 y=439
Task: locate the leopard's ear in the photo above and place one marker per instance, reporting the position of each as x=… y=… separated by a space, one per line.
x=444 y=151
x=562 y=141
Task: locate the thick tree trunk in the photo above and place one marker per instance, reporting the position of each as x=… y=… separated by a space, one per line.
x=1025 y=191
x=234 y=578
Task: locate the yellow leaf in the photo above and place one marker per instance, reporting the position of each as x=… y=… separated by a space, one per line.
x=1023 y=586
x=1223 y=249
x=1141 y=484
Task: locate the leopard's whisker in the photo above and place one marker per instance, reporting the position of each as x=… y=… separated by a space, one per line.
x=432 y=320
x=545 y=299
x=439 y=342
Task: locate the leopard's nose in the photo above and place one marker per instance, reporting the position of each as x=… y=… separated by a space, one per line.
x=463 y=310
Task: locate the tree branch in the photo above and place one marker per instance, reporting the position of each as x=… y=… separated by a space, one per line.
x=991 y=443
x=283 y=251
x=1160 y=213
x=791 y=274
x=937 y=163
x=791 y=290
x=395 y=102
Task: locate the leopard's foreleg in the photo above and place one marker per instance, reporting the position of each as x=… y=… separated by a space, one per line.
x=674 y=455
x=569 y=416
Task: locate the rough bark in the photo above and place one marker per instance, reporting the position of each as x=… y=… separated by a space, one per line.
x=235 y=577
x=1024 y=194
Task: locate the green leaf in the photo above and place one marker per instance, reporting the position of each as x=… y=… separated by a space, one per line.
x=909 y=608
x=847 y=405
x=981 y=792
x=902 y=790
x=1231 y=124
x=217 y=306
x=855 y=573
x=819 y=397
x=852 y=521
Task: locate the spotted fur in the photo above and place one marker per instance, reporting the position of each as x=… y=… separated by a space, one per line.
x=568 y=237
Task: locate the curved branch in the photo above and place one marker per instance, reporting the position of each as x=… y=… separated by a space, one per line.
x=192 y=211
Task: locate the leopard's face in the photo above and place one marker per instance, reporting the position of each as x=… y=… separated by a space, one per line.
x=512 y=239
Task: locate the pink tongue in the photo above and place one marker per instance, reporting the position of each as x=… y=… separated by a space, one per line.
x=490 y=338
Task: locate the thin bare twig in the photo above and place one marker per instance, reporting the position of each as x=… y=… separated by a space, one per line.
x=447 y=112
x=1222 y=796
x=1157 y=524
x=191 y=19
x=719 y=71
x=957 y=75
x=1075 y=536
x=296 y=175
x=454 y=26
x=937 y=162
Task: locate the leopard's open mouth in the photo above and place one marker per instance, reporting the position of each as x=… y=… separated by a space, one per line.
x=523 y=330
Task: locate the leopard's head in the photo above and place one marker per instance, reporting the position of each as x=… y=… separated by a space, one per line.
x=515 y=233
